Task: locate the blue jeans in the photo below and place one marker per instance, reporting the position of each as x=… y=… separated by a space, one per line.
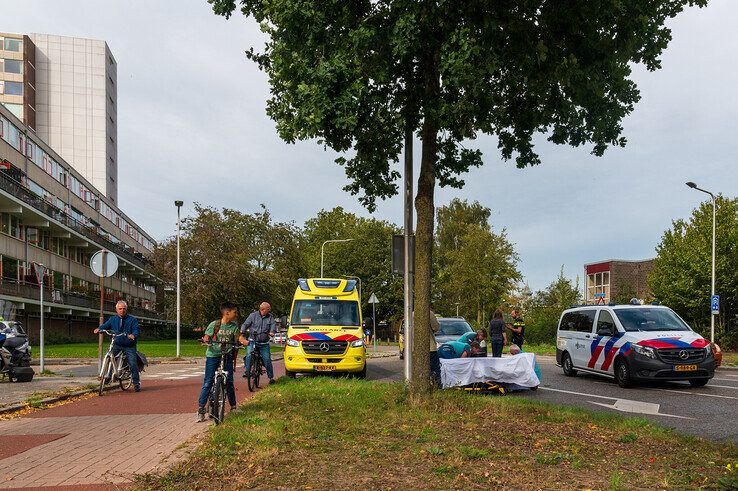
x=265 y=355
x=132 y=361
x=497 y=346
x=211 y=365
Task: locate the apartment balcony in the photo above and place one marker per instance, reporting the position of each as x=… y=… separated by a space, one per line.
x=68 y=303
x=48 y=211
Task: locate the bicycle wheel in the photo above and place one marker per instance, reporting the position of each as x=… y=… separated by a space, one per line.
x=257 y=372
x=217 y=403
x=124 y=377
x=104 y=374
x=250 y=379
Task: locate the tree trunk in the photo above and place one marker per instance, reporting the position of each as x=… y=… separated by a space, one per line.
x=425 y=209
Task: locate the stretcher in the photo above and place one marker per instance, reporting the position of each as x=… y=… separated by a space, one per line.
x=511 y=371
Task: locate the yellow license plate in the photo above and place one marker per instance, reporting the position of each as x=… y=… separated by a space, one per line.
x=325 y=368
x=685 y=368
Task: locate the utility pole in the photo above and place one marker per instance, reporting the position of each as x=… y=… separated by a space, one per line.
x=409 y=268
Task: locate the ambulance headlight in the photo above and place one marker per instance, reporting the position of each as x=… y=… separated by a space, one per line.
x=293 y=342
x=357 y=344
x=644 y=350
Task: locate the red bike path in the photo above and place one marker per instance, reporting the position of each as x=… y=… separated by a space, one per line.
x=100 y=442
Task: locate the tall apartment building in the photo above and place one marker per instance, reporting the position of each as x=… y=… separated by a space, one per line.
x=51 y=215
x=18 y=76
x=69 y=98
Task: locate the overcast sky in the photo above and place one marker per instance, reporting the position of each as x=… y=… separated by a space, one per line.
x=192 y=126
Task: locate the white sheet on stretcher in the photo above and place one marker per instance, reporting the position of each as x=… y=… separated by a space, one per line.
x=517 y=369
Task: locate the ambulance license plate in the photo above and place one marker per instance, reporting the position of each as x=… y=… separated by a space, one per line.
x=325 y=368
x=685 y=368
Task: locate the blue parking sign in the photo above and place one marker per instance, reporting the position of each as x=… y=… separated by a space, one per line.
x=715 y=304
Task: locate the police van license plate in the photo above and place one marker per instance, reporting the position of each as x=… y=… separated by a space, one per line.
x=325 y=368
x=685 y=368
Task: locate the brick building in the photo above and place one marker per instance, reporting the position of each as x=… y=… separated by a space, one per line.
x=615 y=278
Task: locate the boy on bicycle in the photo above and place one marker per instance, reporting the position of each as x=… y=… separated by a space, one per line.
x=226 y=326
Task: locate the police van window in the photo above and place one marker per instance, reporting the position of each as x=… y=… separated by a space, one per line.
x=605 y=321
x=647 y=319
x=578 y=321
x=586 y=320
x=569 y=322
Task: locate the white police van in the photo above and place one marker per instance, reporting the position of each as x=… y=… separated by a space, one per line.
x=632 y=343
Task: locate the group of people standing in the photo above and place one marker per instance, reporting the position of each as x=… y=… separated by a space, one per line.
x=475 y=343
x=498 y=331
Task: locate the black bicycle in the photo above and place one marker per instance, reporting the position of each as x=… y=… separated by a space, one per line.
x=256 y=368
x=217 y=398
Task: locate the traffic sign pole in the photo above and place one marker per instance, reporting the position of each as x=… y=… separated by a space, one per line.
x=103 y=263
x=374 y=301
x=102 y=307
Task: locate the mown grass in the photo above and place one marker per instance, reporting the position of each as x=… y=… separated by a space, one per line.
x=539 y=349
x=165 y=348
x=327 y=433
x=730 y=358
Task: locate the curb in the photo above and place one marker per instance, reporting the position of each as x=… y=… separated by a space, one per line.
x=51 y=400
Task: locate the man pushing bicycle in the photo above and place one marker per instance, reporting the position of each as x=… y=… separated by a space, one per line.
x=225 y=327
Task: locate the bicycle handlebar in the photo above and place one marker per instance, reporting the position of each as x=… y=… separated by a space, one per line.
x=110 y=333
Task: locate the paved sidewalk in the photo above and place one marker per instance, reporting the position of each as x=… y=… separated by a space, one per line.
x=108 y=439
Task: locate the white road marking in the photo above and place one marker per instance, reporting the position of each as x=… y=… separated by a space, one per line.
x=694 y=393
x=723 y=386
x=725 y=379
x=622 y=405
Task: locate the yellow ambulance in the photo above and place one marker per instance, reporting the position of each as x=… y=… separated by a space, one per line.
x=325 y=328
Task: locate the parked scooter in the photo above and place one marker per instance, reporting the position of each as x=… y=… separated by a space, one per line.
x=15 y=353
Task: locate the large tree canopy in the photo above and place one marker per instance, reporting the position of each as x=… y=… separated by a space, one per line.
x=358 y=75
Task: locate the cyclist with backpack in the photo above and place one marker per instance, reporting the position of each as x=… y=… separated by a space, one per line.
x=256 y=332
x=226 y=326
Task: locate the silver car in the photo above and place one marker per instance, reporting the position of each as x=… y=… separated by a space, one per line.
x=451 y=329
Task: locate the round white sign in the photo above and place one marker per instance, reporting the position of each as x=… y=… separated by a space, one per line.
x=111 y=263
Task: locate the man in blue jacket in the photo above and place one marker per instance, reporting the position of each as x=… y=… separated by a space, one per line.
x=126 y=326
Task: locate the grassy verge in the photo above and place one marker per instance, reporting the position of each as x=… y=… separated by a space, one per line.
x=730 y=358
x=539 y=349
x=161 y=348
x=308 y=433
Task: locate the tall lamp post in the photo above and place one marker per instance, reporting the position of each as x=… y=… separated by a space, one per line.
x=712 y=291
x=321 y=251
x=178 y=204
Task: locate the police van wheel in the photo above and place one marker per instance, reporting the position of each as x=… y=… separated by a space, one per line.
x=567 y=365
x=622 y=374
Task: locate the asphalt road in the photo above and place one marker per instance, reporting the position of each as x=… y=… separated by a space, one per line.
x=710 y=411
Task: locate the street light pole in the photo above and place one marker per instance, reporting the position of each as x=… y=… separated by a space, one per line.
x=321 y=251
x=712 y=291
x=41 y=270
x=178 y=204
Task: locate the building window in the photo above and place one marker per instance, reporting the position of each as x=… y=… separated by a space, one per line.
x=598 y=284
x=11 y=66
x=12 y=44
x=13 y=88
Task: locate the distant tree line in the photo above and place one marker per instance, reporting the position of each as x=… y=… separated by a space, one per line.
x=250 y=257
